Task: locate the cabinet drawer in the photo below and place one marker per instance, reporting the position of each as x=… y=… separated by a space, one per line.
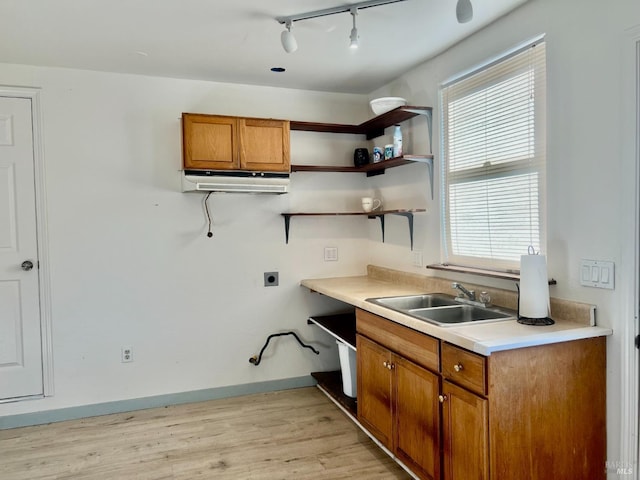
x=465 y=368
x=412 y=345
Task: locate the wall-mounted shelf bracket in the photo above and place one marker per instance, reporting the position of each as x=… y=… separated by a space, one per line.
x=407 y=215
x=287 y=224
x=428 y=114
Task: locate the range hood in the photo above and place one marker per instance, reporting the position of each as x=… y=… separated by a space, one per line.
x=234 y=181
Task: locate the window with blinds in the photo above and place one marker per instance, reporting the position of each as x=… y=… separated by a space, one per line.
x=493 y=161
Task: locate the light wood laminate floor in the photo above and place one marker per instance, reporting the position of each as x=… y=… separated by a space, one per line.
x=292 y=434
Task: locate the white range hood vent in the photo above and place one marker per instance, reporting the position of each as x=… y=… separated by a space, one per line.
x=234 y=181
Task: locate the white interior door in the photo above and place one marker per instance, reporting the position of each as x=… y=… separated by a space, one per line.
x=20 y=327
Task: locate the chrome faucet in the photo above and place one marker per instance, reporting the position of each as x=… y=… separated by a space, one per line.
x=471 y=295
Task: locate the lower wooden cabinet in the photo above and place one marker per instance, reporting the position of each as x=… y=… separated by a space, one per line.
x=417 y=418
x=537 y=412
x=465 y=432
x=398 y=404
x=375 y=389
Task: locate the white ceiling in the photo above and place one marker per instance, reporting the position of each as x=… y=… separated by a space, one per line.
x=236 y=41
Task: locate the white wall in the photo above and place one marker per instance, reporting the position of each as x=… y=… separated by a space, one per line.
x=130 y=261
x=590 y=161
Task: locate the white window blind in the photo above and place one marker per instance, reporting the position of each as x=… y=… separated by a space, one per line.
x=494 y=155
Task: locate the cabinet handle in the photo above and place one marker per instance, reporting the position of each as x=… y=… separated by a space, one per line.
x=388 y=365
x=391 y=366
x=442 y=398
x=458 y=367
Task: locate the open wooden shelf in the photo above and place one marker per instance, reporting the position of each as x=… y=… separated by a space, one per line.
x=408 y=214
x=331 y=383
x=371 y=128
x=341 y=326
x=370 y=168
x=372 y=214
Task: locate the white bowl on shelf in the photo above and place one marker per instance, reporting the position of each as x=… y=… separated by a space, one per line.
x=384 y=104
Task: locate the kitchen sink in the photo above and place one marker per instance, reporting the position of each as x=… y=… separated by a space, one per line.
x=459 y=314
x=442 y=309
x=411 y=302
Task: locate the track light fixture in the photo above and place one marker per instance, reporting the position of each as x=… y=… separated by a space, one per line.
x=464 y=11
x=354 y=31
x=353 y=9
x=464 y=14
x=288 y=40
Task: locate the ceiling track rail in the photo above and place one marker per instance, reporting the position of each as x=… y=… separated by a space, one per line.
x=335 y=10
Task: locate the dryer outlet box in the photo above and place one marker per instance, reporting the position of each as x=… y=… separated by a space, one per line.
x=270 y=279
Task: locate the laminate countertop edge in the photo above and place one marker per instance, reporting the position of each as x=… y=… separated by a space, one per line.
x=483 y=338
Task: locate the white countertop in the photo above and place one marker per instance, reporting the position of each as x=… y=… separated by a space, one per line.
x=480 y=338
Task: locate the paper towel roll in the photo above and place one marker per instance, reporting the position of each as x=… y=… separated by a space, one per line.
x=534 y=286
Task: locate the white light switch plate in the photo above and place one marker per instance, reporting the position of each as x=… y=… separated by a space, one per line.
x=596 y=273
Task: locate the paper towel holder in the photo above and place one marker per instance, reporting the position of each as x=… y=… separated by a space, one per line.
x=538 y=322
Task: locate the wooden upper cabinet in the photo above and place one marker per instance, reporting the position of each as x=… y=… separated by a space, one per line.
x=210 y=142
x=264 y=144
x=216 y=142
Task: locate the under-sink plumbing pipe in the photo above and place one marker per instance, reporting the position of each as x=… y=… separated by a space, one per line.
x=256 y=359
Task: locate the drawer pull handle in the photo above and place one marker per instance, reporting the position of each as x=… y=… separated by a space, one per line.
x=442 y=398
x=458 y=367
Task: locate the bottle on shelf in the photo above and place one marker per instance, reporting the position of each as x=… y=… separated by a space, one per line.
x=397 y=142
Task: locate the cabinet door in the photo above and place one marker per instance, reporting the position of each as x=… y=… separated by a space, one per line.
x=264 y=144
x=466 y=434
x=374 y=389
x=210 y=142
x=417 y=412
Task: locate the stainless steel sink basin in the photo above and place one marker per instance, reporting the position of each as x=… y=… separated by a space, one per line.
x=411 y=302
x=459 y=314
x=442 y=309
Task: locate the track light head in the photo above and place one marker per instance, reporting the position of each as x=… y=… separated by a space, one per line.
x=354 y=31
x=464 y=11
x=353 y=38
x=289 y=42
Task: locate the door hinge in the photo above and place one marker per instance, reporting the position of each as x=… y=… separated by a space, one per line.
x=637 y=342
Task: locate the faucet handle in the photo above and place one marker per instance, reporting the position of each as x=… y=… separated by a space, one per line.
x=485 y=298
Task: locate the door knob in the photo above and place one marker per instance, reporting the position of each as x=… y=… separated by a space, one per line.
x=27 y=265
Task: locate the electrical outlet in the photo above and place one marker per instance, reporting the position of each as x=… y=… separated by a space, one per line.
x=126 y=354
x=271 y=279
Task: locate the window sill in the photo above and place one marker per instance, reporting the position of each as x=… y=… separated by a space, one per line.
x=515 y=276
